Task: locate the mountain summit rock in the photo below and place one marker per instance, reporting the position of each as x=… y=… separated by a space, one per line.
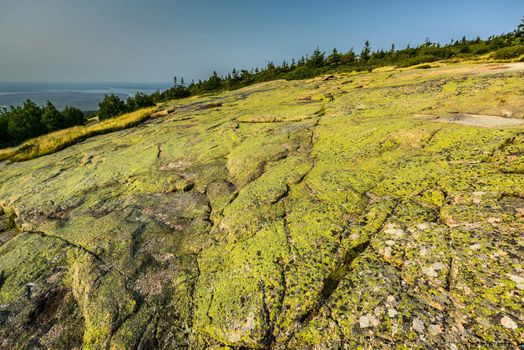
x=369 y=215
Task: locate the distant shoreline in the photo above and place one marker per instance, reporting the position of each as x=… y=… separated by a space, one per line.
x=82 y=95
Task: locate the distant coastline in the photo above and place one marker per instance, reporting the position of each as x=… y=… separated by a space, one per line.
x=83 y=95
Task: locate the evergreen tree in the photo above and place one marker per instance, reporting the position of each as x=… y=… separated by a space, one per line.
x=5 y=137
x=335 y=58
x=25 y=122
x=520 y=29
x=365 y=54
x=52 y=119
x=73 y=116
x=111 y=106
x=140 y=100
x=213 y=83
x=317 y=59
x=349 y=57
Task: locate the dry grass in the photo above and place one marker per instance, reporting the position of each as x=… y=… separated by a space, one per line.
x=6 y=153
x=58 y=140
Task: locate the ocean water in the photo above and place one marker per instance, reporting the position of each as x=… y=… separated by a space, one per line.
x=84 y=96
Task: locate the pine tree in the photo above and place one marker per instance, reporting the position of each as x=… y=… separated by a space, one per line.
x=520 y=29
x=335 y=58
x=349 y=57
x=111 y=106
x=25 y=122
x=365 y=54
x=52 y=119
x=317 y=58
x=73 y=116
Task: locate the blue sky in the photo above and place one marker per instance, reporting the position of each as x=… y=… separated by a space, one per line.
x=132 y=40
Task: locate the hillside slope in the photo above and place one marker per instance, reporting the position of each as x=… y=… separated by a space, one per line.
x=378 y=210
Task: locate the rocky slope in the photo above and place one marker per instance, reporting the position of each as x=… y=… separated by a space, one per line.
x=371 y=211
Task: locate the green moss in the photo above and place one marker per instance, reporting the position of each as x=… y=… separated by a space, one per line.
x=243 y=226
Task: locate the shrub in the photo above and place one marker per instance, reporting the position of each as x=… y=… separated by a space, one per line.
x=140 y=100
x=52 y=119
x=73 y=116
x=111 y=106
x=5 y=138
x=61 y=139
x=418 y=60
x=509 y=52
x=24 y=122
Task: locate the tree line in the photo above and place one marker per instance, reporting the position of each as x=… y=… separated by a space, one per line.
x=112 y=106
x=505 y=46
x=18 y=124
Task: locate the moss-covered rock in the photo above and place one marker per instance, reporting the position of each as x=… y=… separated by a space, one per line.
x=303 y=214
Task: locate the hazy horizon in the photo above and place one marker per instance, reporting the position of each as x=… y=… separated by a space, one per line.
x=84 y=82
x=138 y=41
x=83 y=95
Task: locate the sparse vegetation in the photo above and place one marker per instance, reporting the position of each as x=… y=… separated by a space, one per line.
x=29 y=121
x=111 y=106
x=324 y=213
x=140 y=100
x=509 y=52
x=502 y=47
x=58 y=140
x=22 y=123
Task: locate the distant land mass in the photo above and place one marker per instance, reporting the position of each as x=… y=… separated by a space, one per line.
x=83 y=95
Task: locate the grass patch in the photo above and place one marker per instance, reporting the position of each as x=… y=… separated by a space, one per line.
x=56 y=141
x=509 y=52
x=6 y=153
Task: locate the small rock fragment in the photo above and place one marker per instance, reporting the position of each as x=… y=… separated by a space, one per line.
x=438 y=266
x=516 y=279
x=418 y=325
x=477 y=197
x=508 y=323
x=423 y=226
x=392 y=312
x=505 y=113
x=494 y=220
x=368 y=320
x=429 y=271
x=435 y=329
x=394 y=329
x=392 y=230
